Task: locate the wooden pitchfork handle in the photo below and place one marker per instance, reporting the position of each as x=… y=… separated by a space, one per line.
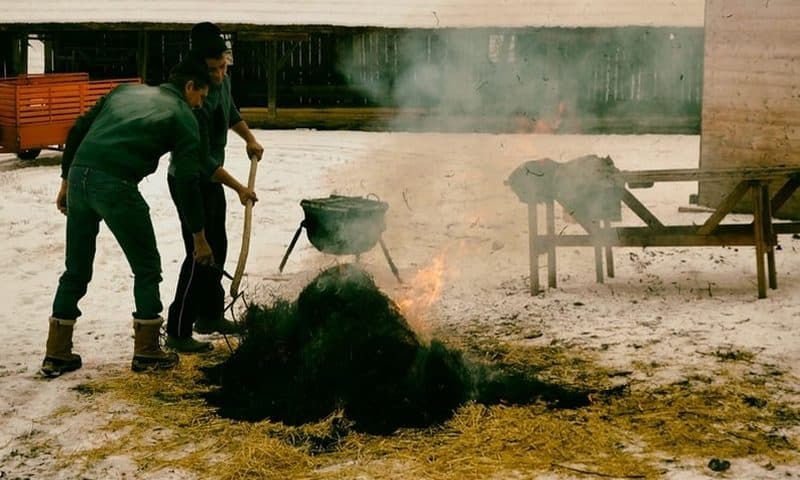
x=248 y=215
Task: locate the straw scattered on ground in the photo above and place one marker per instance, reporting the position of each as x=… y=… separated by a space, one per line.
x=344 y=344
x=742 y=409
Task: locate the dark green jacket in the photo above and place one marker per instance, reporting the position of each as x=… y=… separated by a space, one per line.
x=126 y=133
x=217 y=115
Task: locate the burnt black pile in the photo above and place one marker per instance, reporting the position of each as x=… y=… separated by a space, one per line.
x=344 y=344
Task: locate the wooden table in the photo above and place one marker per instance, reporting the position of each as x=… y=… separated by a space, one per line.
x=600 y=234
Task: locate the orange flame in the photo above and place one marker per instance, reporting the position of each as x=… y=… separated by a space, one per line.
x=424 y=290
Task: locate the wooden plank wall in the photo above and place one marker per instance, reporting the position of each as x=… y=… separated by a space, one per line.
x=633 y=79
x=751 y=96
x=614 y=80
x=101 y=54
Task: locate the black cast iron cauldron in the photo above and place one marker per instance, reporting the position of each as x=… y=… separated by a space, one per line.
x=342 y=225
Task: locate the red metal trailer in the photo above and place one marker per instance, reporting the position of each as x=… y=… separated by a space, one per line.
x=37 y=111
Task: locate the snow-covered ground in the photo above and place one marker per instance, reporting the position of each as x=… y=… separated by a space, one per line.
x=448 y=204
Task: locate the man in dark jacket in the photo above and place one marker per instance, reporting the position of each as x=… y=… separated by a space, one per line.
x=199 y=296
x=108 y=151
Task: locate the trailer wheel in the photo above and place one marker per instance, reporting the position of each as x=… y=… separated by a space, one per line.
x=29 y=154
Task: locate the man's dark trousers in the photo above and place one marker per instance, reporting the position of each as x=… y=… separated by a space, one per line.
x=92 y=196
x=199 y=293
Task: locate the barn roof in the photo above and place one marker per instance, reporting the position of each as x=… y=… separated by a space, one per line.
x=373 y=13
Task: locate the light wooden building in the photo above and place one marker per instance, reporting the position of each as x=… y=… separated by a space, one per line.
x=751 y=95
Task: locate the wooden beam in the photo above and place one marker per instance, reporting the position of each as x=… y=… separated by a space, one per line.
x=785 y=192
x=786 y=228
x=609 y=252
x=142 y=54
x=758 y=239
x=551 y=243
x=272 y=79
x=48 y=55
x=20 y=53
x=278 y=31
x=724 y=208
x=590 y=226
x=687 y=235
x=271 y=36
x=640 y=210
x=768 y=233
x=671 y=236
x=533 y=249
x=287 y=55
x=702 y=174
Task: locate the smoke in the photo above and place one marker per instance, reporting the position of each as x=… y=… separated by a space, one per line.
x=511 y=80
x=446 y=192
x=545 y=80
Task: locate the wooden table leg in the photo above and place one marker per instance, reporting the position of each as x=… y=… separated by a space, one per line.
x=598 y=263
x=594 y=231
x=769 y=234
x=533 y=232
x=551 y=244
x=773 y=276
x=758 y=234
x=609 y=252
x=598 y=252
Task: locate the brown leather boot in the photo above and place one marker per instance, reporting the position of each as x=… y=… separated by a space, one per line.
x=59 y=357
x=147 y=353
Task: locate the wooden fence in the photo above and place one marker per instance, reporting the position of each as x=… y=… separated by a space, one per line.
x=613 y=79
x=628 y=79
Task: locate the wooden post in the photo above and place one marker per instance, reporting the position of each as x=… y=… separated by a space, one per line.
x=551 y=243
x=609 y=252
x=769 y=234
x=596 y=233
x=141 y=55
x=20 y=53
x=532 y=250
x=48 y=55
x=784 y=193
x=272 y=79
x=758 y=234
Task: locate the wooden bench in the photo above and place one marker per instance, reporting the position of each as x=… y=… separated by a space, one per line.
x=600 y=234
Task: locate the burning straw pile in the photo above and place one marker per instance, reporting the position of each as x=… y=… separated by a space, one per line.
x=345 y=345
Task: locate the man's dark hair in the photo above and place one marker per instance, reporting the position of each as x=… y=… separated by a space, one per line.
x=207 y=41
x=192 y=69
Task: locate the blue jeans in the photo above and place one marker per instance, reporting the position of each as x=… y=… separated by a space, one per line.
x=93 y=196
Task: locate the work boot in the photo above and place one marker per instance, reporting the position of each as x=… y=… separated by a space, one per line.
x=218 y=325
x=59 y=357
x=147 y=353
x=188 y=345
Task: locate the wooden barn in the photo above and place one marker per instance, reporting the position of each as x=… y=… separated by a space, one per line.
x=616 y=66
x=751 y=95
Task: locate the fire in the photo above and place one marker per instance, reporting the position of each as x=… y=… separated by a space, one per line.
x=424 y=290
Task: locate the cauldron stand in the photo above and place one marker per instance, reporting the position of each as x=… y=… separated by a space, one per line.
x=342 y=225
